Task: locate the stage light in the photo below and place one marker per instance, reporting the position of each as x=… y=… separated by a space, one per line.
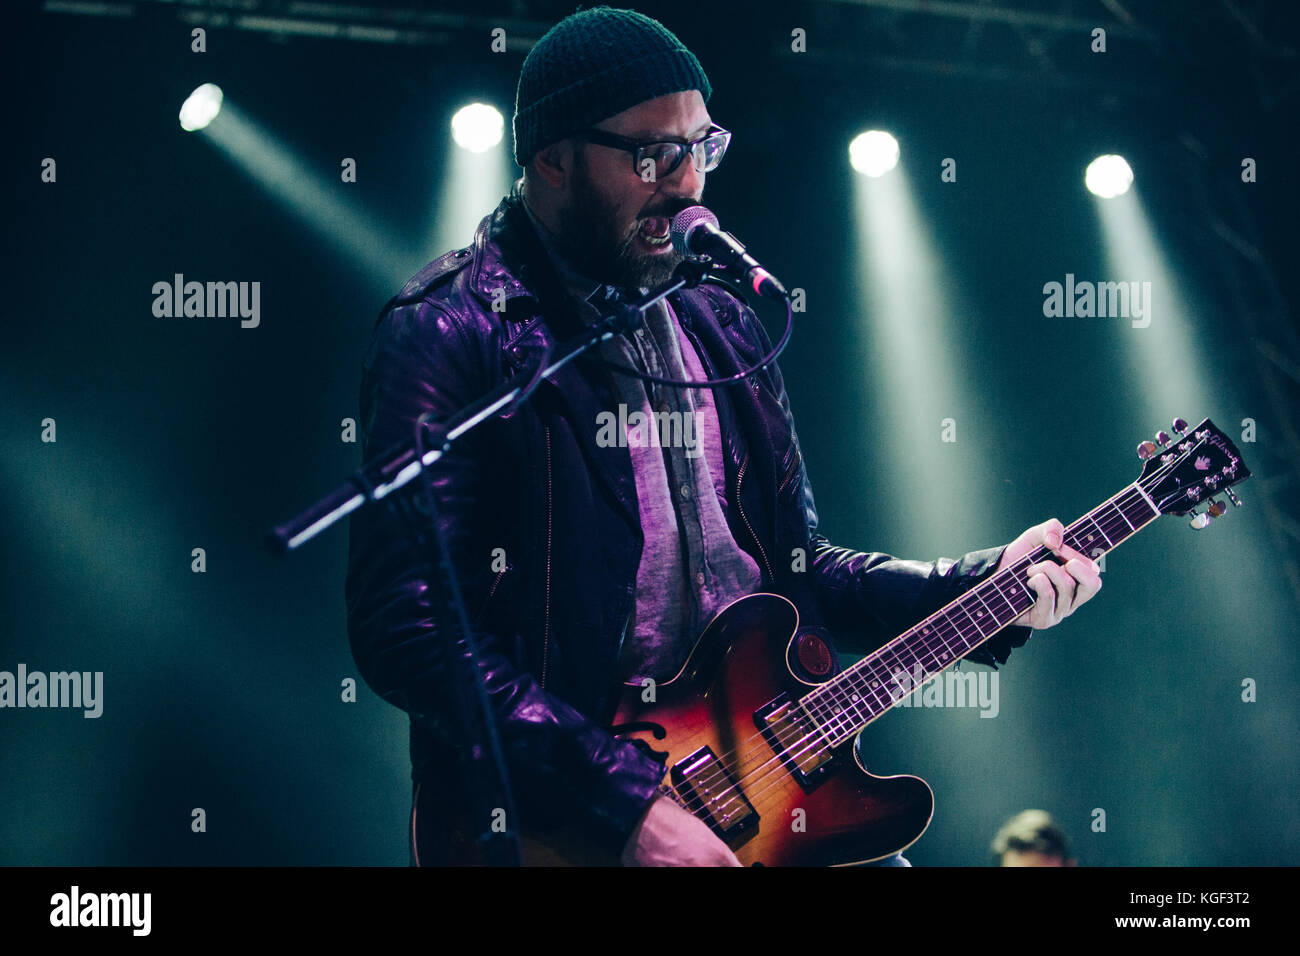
x=907 y=333
x=367 y=244
x=477 y=127
x=1108 y=176
x=873 y=153
x=201 y=108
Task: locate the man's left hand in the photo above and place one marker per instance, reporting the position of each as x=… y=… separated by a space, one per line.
x=1061 y=588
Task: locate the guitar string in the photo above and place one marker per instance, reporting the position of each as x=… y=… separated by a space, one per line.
x=816 y=738
x=822 y=717
x=1142 y=496
x=721 y=765
x=793 y=747
x=757 y=793
x=1013 y=569
x=825 y=717
x=1075 y=530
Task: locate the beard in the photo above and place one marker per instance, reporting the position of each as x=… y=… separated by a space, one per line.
x=597 y=245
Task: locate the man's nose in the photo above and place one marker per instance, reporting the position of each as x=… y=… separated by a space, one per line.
x=688 y=180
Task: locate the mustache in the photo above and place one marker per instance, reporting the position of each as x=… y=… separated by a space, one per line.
x=669 y=211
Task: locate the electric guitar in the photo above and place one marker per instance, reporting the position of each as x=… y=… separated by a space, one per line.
x=765 y=758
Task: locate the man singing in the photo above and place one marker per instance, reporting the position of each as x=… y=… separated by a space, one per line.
x=585 y=563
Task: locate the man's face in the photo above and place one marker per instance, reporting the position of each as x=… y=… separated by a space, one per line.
x=613 y=223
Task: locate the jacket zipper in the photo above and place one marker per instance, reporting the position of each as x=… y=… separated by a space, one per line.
x=487 y=601
x=496 y=582
x=740 y=477
x=546 y=618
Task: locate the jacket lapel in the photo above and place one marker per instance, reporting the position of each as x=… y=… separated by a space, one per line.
x=583 y=401
x=509 y=256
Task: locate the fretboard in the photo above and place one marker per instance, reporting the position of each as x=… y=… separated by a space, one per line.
x=858 y=695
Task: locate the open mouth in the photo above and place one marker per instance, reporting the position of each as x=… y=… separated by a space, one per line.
x=654 y=231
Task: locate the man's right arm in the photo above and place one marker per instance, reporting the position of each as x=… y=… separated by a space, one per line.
x=423 y=360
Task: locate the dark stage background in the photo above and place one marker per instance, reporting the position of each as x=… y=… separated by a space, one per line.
x=222 y=689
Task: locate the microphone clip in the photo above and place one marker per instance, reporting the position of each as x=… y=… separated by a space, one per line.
x=693 y=270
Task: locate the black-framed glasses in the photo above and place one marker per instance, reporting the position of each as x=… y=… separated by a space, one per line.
x=663 y=157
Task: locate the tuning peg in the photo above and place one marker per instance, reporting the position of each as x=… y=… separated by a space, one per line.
x=1146 y=449
x=1180 y=426
x=1233 y=498
x=1162 y=438
x=1201 y=519
x=1217 y=508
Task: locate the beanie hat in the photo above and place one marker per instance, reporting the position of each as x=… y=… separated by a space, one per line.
x=592 y=65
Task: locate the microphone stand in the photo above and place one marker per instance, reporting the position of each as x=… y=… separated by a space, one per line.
x=481 y=756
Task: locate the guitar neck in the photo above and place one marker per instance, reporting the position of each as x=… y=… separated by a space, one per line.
x=858 y=695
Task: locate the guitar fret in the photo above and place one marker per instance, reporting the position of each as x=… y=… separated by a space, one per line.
x=1074 y=538
x=960 y=608
x=878 y=682
x=875 y=690
x=1103 y=534
x=969 y=641
x=952 y=653
x=929 y=629
x=997 y=588
x=900 y=668
x=997 y=624
x=855 y=697
x=1121 y=514
x=1142 y=506
x=1021 y=592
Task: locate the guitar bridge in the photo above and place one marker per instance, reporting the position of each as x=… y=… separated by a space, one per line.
x=703 y=782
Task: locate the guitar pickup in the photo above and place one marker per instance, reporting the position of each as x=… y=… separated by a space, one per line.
x=701 y=779
x=795 y=742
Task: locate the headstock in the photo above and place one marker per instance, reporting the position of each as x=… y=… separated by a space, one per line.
x=1180 y=476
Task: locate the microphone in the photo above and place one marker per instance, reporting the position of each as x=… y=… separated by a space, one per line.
x=695 y=232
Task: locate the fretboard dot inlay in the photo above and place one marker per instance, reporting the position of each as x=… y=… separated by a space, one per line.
x=847 y=703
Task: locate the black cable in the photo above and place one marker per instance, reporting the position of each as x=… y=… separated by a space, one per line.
x=712 y=382
x=534 y=379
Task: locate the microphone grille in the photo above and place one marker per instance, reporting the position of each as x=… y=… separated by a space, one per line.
x=684 y=222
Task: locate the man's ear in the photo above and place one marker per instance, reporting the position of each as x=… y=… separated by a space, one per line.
x=554 y=163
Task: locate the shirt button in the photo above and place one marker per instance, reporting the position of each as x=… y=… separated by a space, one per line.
x=686 y=491
x=699 y=578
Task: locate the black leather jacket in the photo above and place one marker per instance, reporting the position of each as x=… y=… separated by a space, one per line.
x=563 y=512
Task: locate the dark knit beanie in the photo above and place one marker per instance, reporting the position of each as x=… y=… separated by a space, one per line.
x=593 y=64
